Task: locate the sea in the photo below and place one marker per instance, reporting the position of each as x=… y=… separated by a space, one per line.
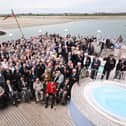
x=103 y=28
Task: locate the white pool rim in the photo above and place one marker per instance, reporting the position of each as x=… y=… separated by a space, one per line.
x=89 y=98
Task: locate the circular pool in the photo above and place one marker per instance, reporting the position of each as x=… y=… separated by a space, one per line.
x=108 y=98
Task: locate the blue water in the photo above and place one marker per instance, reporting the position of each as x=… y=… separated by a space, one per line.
x=112 y=99
x=109 y=29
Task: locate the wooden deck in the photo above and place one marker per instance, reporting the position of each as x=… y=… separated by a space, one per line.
x=32 y=114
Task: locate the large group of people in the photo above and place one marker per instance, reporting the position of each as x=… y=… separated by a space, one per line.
x=44 y=68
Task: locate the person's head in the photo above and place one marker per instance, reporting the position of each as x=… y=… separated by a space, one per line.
x=37 y=80
x=67 y=81
x=74 y=71
x=8 y=82
x=111 y=56
x=58 y=72
x=86 y=54
x=79 y=64
x=21 y=78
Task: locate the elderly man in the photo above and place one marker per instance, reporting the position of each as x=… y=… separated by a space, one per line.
x=38 y=88
x=59 y=78
x=74 y=78
x=11 y=92
x=95 y=66
x=109 y=66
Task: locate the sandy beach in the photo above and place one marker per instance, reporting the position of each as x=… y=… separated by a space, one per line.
x=28 y=21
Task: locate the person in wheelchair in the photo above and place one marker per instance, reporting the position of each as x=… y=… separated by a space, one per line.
x=25 y=91
x=63 y=92
x=50 y=92
x=11 y=92
x=38 y=89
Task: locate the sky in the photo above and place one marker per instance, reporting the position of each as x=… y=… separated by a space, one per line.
x=61 y=6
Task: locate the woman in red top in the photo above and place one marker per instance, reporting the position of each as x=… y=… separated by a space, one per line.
x=50 y=92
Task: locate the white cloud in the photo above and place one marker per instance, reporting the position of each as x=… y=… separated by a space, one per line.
x=80 y=5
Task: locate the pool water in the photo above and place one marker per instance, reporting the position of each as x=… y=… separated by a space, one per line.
x=111 y=98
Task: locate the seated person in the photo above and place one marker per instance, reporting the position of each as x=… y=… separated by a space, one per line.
x=24 y=89
x=50 y=91
x=11 y=92
x=38 y=88
x=3 y=98
x=63 y=92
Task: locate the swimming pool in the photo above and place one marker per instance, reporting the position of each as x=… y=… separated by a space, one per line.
x=108 y=98
x=111 y=98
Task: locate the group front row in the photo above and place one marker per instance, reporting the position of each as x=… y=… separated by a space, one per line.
x=48 y=92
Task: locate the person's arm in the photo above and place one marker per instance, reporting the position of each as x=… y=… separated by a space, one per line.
x=60 y=80
x=34 y=86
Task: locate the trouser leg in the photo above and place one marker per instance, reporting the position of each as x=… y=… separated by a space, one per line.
x=52 y=100
x=92 y=74
x=107 y=74
x=37 y=95
x=41 y=95
x=46 y=101
x=64 y=97
x=103 y=74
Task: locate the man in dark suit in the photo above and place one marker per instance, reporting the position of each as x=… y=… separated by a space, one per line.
x=94 y=67
x=119 y=67
x=109 y=66
x=10 y=91
x=86 y=61
x=24 y=88
x=74 y=78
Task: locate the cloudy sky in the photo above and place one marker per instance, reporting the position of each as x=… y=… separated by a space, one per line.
x=61 y=6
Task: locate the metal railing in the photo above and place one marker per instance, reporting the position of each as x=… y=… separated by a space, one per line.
x=121 y=75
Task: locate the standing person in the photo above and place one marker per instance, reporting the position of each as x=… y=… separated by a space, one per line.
x=94 y=67
x=118 y=69
x=86 y=64
x=86 y=61
x=90 y=49
x=73 y=79
x=2 y=78
x=109 y=66
x=123 y=69
x=50 y=92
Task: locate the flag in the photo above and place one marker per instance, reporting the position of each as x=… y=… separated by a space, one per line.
x=12 y=13
x=8 y=16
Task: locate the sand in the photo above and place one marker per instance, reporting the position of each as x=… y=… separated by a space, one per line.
x=28 y=21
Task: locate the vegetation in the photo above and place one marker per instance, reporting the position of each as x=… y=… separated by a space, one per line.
x=69 y=14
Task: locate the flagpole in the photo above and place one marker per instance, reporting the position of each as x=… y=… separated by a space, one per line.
x=19 y=26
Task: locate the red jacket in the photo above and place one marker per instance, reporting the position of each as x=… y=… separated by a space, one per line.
x=51 y=88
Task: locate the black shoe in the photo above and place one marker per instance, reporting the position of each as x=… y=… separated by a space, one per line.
x=46 y=106
x=51 y=106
